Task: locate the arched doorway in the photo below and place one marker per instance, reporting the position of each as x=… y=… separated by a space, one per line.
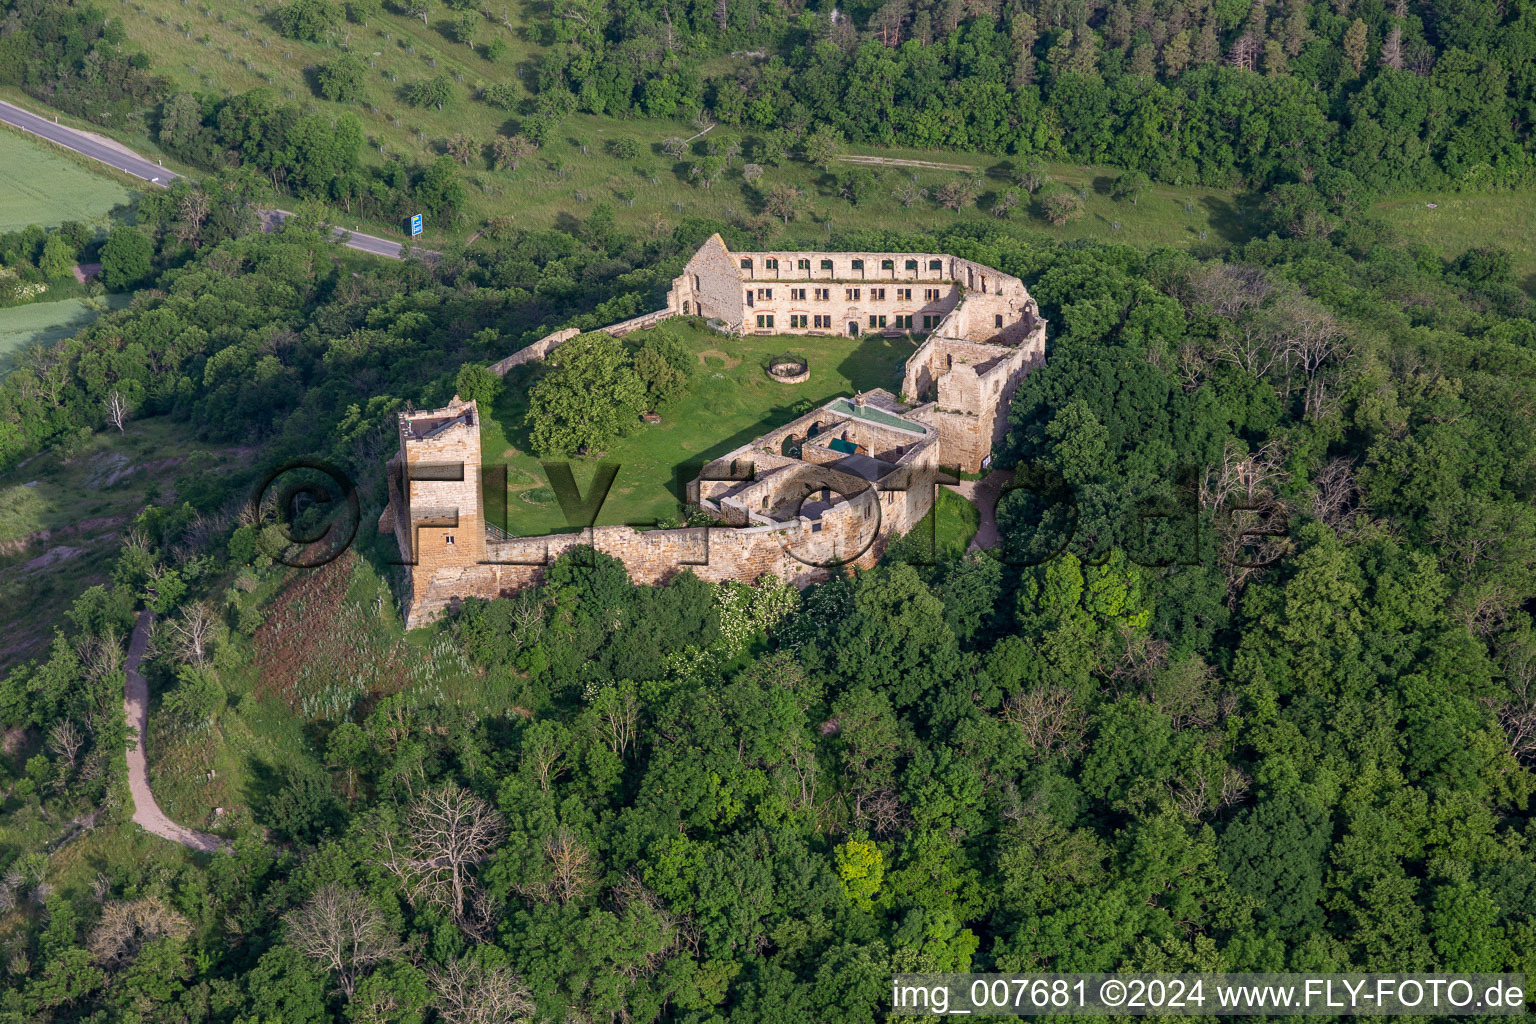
x=853 y=328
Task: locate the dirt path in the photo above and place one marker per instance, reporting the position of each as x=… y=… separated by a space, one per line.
x=983 y=494
x=891 y=161
x=147 y=813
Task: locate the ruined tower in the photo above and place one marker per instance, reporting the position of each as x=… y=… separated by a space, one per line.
x=436 y=504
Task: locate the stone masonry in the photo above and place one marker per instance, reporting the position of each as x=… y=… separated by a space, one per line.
x=827 y=489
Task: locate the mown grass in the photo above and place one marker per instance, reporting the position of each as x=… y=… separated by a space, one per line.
x=44 y=186
x=1463 y=221
x=732 y=400
x=48 y=322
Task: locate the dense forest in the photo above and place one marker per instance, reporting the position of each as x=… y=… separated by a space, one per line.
x=1422 y=95
x=1301 y=737
x=1349 y=97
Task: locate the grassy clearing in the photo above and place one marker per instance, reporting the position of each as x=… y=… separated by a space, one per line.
x=956 y=521
x=61 y=519
x=1461 y=222
x=48 y=322
x=44 y=186
x=732 y=401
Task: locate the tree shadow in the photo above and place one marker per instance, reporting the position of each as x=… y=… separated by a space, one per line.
x=1226 y=218
x=1102 y=184
x=1000 y=171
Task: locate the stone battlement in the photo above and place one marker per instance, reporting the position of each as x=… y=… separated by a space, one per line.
x=829 y=488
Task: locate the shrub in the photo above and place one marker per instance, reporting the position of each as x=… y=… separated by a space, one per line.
x=341 y=79
x=308 y=20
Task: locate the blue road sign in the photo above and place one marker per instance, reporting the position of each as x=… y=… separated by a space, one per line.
x=416 y=225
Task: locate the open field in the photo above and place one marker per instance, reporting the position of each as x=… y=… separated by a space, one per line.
x=47 y=322
x=1460 y=222
x=62 y=519
x=44 y=186
x=732 y=401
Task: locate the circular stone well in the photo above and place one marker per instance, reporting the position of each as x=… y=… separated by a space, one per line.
x=789 y=369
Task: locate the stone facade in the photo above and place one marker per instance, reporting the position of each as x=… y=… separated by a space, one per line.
x=827 y=489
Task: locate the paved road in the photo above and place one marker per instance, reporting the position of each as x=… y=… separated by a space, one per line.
x=146 y=812
x=114 y=155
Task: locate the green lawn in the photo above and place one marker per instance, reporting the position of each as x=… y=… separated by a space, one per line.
x=44 y=186
x=731 y=402
x=48 y=322
x=1460 y=222
x=955 y=523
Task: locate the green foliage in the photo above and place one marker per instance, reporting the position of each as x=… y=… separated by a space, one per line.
x=308 y=20
x=125 y=258
x=341 y=78
x=591 y=397
x=478 y=384
x=713 y=801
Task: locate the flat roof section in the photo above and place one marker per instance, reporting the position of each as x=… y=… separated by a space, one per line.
x=843 y=407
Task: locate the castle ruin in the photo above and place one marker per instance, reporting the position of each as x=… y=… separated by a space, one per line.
x=827 y=489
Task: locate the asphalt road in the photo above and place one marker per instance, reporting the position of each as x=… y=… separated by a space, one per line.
x=125 y=160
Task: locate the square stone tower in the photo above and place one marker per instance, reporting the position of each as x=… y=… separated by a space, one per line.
x=435 y=491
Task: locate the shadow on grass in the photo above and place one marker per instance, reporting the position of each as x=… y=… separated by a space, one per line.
x=1228 y=219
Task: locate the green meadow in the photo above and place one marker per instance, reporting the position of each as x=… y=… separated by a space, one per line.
x=45 y=186
x=47 y=322
x=732 y=400
x=226 y=47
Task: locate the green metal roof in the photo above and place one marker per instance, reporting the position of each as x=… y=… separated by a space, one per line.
x=843 y=407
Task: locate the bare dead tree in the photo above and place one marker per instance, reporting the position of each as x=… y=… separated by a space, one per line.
x=191 y=633
x=342 y=930
x=127 y=925
x=618 y=711
x=1241 y=492
x=1048 y=717
x=1310 y=338
x=543 y=754
x=1192 y=797
x=468 y=992
x=1335 y=496
x=569 y=873
x=1234 y=786
x=1517 y=712
x=448 y=831
x=117 y=410
x=65 y=740
x=100 y=656
x=1143 y=655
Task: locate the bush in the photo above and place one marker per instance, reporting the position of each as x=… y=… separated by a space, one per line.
x=308 y=20
x=624 y=148
x=1062 y=206
x=430 y=92
x=500 y=95
x=478 y=384
x=341 y=79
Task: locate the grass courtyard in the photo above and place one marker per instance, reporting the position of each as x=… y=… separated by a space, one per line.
x=731 y=401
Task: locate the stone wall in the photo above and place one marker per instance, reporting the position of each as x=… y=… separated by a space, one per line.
x=790 y=517
x=537 y=351
x=709 y=285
